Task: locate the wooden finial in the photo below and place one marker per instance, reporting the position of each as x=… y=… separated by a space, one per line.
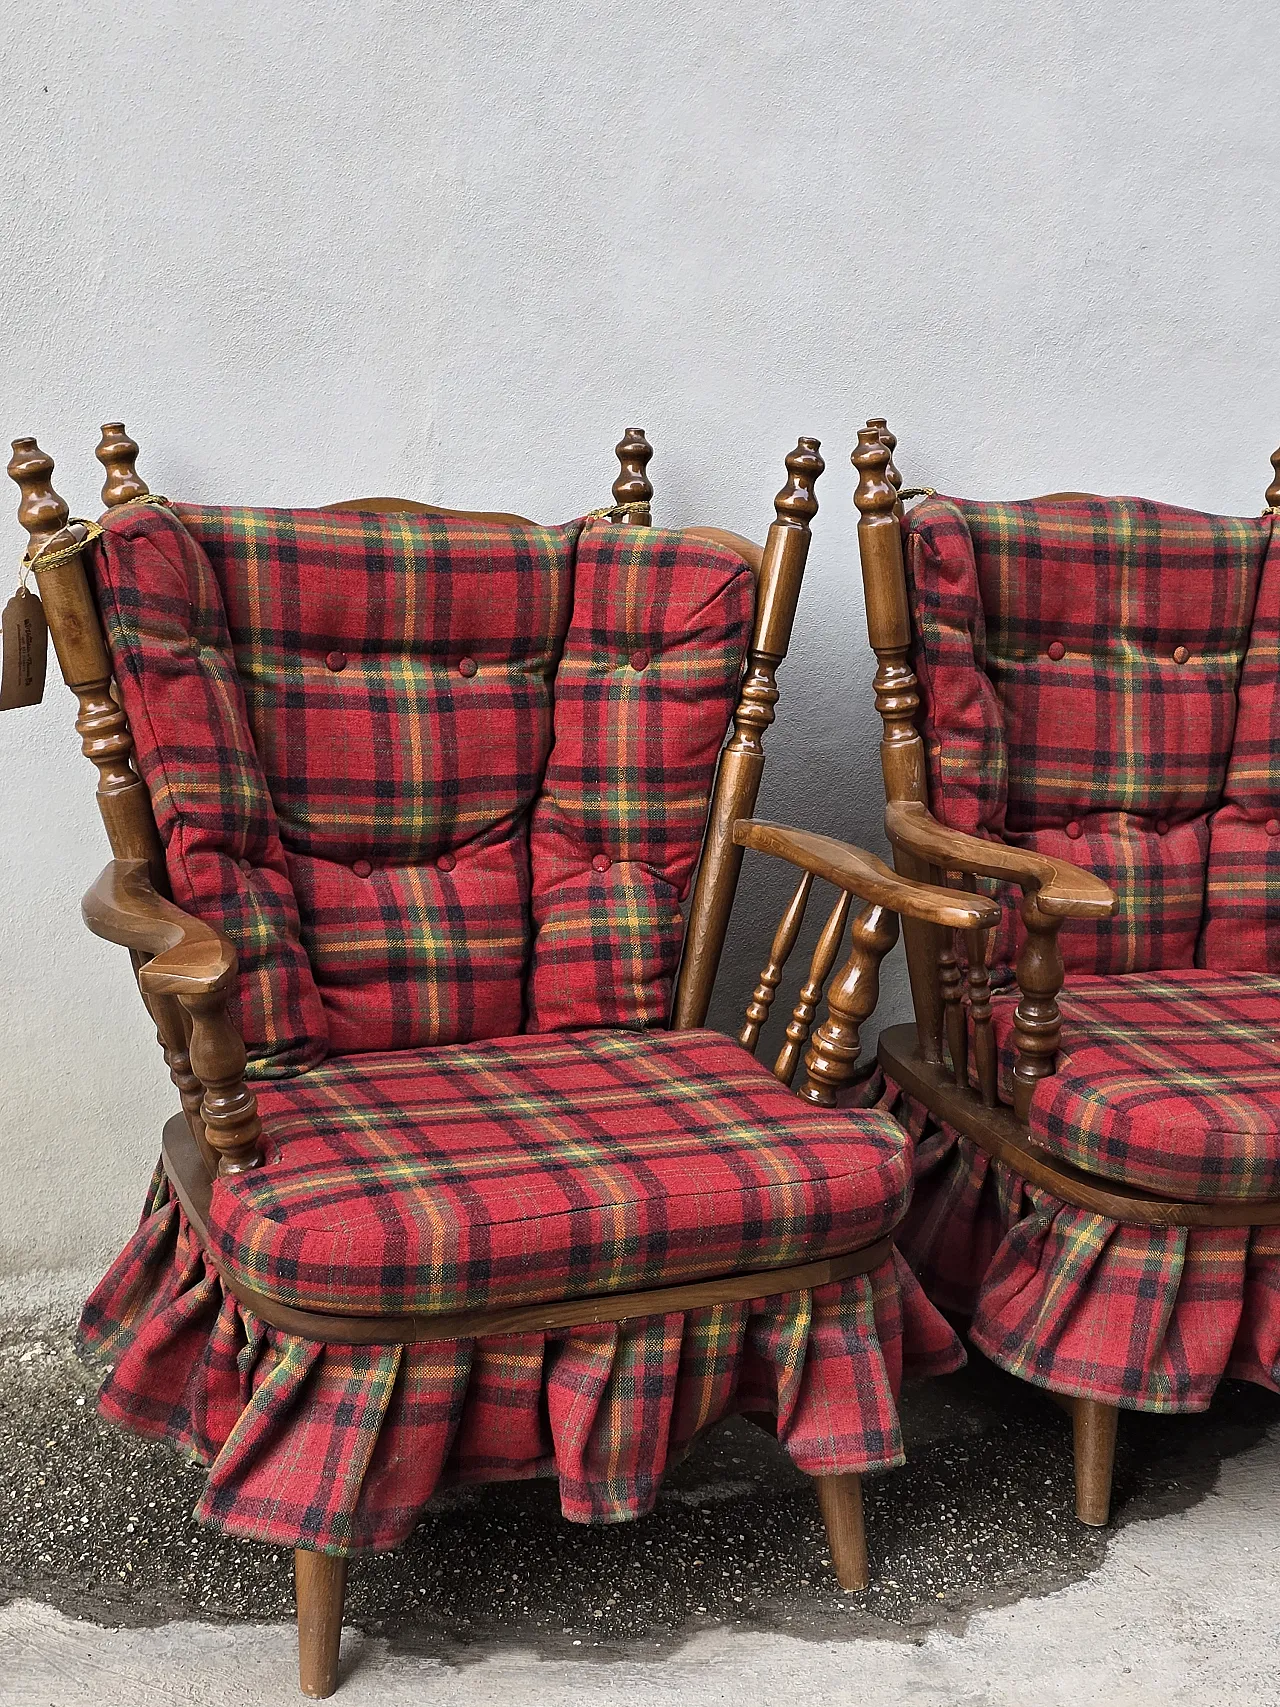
x=633 y=486
x=876 y=494
x=796 y=505
x=41 y=512
x=1273 y=491
x=889 y=439
x=118 y=453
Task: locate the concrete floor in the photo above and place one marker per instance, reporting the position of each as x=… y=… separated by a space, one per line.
x=987 y=1592
x=1184 y=1609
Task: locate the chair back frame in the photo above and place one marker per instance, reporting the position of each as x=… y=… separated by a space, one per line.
x=125 y=803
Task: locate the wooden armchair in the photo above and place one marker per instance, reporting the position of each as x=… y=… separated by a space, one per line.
x=403 y=804
x=1080 y=708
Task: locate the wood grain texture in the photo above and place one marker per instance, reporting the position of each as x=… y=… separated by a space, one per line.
x=862 y=874
x=1063 y=891
x=320 y=1587
x=840 y=1502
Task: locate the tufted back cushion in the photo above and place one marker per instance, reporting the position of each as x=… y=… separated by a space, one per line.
x=344 y=721
x=1079 y=663
x=644 y=692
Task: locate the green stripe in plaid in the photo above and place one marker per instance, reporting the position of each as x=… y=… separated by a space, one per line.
x=1167 y=1081
x=536 y=1168
x=1056 y=714
x=644 y=693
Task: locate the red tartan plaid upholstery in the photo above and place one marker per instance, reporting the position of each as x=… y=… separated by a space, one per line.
x=345 y=721
x=339 y=1448
x=1241 y=930
x=534 y=1168
x=1078 y=663
x=1168 y=1081
x=1150 y=1318
x=644 y=692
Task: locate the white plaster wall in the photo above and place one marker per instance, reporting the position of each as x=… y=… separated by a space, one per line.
x=308 y=250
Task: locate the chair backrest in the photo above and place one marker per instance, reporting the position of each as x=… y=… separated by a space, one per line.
x=437 y=777
x=1096 y=681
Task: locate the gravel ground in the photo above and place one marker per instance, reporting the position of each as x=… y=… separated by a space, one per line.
x=99 y=1525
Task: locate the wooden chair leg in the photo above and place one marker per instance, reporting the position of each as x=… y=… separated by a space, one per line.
x=840 y=1502
x=1095 y=1449
x=320 y=1582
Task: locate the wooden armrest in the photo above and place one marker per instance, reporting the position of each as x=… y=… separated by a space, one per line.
x=862 y=874
x=189 y=958
x=1062 y=891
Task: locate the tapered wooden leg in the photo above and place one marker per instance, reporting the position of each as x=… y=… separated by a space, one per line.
x=320 y=1583
x=840 y=1502
x=1095 y=1444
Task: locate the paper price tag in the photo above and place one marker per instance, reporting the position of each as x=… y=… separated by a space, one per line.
x=25 y=637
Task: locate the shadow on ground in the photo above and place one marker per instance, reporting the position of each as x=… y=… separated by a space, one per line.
x=99 y=1525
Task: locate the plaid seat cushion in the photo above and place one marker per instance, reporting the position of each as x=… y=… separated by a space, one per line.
x=643 y=696
x=1167 y=1081
x=535 y=1168
x=1078 y=663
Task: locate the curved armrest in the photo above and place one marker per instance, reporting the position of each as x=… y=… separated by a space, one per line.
x=189 y=957
x=862 y=874
x=1062 y=891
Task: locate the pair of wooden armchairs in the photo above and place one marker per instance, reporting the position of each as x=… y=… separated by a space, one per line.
x=405 y=807
x=464 y=1190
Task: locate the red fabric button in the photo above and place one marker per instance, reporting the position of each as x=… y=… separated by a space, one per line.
x=362 y=868
x=336 y=661
x=1162 y=826
x=1057 y=650
x=466 y=666
x=640 y=660
x=1073 y=829
x=1180 y=654
x=1273 y=826
x=446 y=862
x=601 y=862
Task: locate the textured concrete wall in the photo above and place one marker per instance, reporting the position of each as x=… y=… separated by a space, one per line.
x=307 y=250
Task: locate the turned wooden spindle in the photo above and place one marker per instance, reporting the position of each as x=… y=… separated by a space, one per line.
x=984 y=1039
x=897 y=694
x=780 y=948
x=40 y=510
x=77 y=638
x=634 y=453
x=951 y=984
x=890 y=441
x=801 y=1022
x=229 y=1108
x=833 y=1054
x=1272 y=498
x=118 y=454
x=1036 y=1019
x=737 y=781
